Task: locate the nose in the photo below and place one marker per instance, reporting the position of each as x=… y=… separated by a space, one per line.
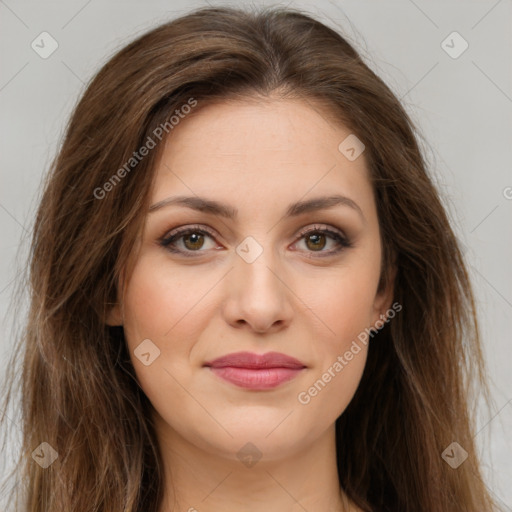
x=257 y=296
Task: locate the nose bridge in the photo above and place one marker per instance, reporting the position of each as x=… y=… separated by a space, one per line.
x=255 y=267
x=255 y=292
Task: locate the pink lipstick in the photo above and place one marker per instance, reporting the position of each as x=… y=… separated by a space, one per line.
x=254 y=371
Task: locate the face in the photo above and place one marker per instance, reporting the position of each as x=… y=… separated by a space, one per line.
x=262 y=270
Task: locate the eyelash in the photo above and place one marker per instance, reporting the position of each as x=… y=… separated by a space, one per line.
x=168 y=241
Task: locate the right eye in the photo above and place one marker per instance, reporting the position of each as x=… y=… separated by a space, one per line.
x=187 y=240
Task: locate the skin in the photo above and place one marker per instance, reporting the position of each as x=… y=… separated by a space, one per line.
x=257 y=157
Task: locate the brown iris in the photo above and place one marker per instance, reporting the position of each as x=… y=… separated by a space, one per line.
x=197 y=240
x=317 y=239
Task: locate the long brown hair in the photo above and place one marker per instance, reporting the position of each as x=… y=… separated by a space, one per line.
x=79 y=392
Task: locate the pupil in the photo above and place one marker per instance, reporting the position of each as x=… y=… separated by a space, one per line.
x=315 y=239
x=196 y=244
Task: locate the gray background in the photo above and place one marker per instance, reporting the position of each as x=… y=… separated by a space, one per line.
x=463 y=106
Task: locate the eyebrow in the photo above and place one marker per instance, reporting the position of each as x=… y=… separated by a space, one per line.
x=223 y=210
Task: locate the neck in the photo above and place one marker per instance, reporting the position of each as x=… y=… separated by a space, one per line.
x=197 y=479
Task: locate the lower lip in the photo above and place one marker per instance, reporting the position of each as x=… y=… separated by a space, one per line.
x=265 y=378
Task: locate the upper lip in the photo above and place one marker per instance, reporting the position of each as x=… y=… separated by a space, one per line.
x=255 y=361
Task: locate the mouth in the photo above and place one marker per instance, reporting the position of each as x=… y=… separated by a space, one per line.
x=253 y=371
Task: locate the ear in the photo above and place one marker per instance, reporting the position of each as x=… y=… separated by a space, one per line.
x=384 y=296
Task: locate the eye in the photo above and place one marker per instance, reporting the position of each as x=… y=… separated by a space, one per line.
x=316 y=239
x=192 y=239
x=187 y=240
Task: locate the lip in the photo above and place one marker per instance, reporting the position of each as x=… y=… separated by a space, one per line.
x=255 y=371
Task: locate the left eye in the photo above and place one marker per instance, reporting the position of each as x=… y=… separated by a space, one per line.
x=316 y=240
x=189 y=240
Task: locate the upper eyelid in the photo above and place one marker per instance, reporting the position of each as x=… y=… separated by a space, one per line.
x=317 y=226
x=181 y=230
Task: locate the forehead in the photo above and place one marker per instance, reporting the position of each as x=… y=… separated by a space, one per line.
x=265 y=150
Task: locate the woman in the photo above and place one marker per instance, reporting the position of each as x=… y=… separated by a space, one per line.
x=246 y=294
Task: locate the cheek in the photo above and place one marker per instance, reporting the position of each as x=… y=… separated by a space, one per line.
x=341 y=361
x=165 y=307
x=160 y=303
x=343 y=305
